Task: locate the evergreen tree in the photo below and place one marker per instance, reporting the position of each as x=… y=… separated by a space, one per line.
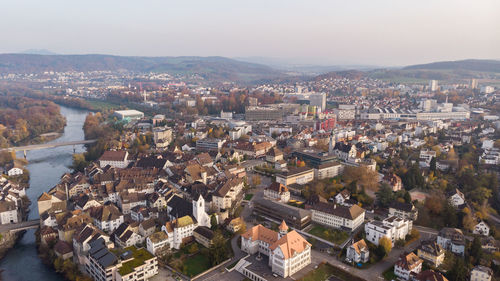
x=433 y=164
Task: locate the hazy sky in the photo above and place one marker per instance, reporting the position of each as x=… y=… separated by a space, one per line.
x=376 y=32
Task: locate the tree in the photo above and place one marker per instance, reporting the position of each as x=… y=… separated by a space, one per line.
x=433 y=164
x=459 y=271
x=218 y=249
x=79 y=162
x=434 y=203
x=476 y=250
x=256 y=180
x=213 y=222
x=193 y=248
x=363 y=176
x=384 y=195
x=386 y=243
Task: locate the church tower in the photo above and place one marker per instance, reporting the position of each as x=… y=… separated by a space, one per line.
x=199 y=212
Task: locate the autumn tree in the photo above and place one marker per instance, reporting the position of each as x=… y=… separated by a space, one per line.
x=363 y=176
x=386 y=243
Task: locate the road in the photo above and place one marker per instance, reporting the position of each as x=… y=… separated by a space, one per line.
x=19 y=226
x=46 y=145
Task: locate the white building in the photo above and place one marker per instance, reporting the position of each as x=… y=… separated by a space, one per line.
x=482 y=229
x=288 y=252
x=393 y=228
x=338 y=216
x=116 y=159
x=129 y=114
x=452 y=239
x=9 y=212
x=406 y=265
x=328 y=170
x=358 y=252
x=14 y=172
x=178 y=230
x=481 y=273
x=456 y=198
x=157 y=242
x=277 y=191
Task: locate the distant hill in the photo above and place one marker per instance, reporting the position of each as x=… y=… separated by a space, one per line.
x=350 y=74
x=470 y=65
x=210 y=68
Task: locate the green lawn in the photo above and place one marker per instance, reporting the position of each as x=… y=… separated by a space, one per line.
x=248 y=196
x=332 y=235
x=196 y=264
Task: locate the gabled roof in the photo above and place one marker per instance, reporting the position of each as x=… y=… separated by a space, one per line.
x=290 y=244
x=277 y=187
x=409 y=261
x=360 y=246
x=113 y=156
x=259 y=232
x=350 y=213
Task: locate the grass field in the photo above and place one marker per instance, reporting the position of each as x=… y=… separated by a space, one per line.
x=332 y=235
x=196 y=264
x=248 y=196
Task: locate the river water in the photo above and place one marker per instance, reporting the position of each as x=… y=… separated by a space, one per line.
x=46 y=166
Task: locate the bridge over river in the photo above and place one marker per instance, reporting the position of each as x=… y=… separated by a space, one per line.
x=14 y=227
x=46 y=145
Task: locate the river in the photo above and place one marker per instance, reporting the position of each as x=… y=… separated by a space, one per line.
x=46 y=166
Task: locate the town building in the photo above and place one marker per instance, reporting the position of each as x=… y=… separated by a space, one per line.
x=358 y=252
x=328 y=170
x=277 y=191
x=403 y=210
x=481 y=273
x=338 y=216
x=407 y=265
x=431 y=252
x=288 y=251
x=452 y=239
x=299 y=176
x=393 y=228
x=115 y=159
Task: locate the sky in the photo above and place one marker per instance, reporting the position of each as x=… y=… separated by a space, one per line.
x=322 y=32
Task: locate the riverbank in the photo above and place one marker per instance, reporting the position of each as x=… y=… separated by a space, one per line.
x=45 y=167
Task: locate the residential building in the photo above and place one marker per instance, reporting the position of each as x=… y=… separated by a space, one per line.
x=481 y=273
x=358 y=252
x=456 y=198
x=430 y=275
x=393 y=228
x=452 y=239
x=236 y=224
x=431 y=252
x=481 y=229
x=158 y=242
x=203 y=235
x=209 y=144
x=277 y=191
x=403 y=210
x=328 y=170
x=407 y=265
